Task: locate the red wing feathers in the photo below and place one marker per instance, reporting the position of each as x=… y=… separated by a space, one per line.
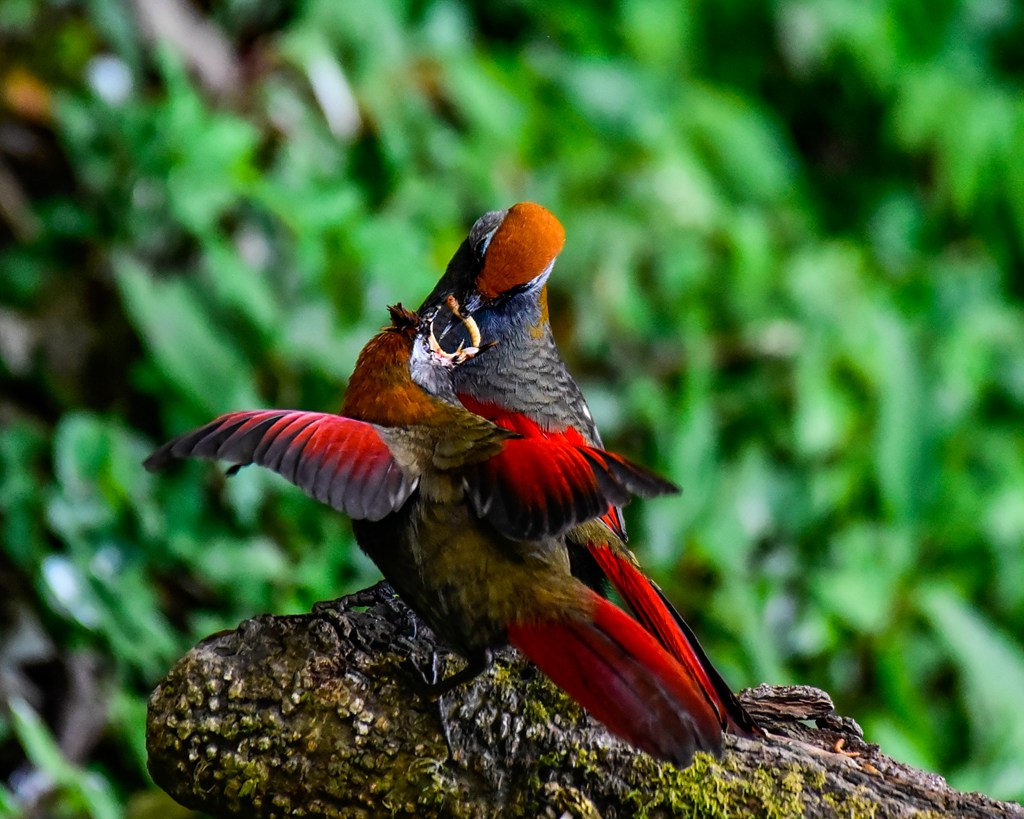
x=545 y=483
x=538 y=487
x=337 y=460
x=531 y=489
x=623 y=677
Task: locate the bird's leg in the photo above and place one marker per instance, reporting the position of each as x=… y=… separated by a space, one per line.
x=434 y=691
x=476 y=664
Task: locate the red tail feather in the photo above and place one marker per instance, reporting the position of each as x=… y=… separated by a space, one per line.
x=613 y=520
x=664 y=622
x=623 y=677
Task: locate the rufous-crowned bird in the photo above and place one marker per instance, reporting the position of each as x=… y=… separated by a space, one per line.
x=466 y=519
x=499 y=274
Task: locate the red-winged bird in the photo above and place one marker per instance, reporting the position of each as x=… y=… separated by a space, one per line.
x=466 y=519
x=499 y=275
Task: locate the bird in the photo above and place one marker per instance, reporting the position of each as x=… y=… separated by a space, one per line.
x=466 y=520
x=499 y=274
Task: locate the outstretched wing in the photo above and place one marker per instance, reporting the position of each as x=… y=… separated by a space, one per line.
x=337 y=460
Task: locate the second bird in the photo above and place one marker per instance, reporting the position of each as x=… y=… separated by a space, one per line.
x=499 y=274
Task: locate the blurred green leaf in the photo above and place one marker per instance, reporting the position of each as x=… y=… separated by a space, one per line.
x=902 y=426
x=206 y=366
x=863 y=583
x=8 y=804
x=80 y=789
x=18 y=14
x=991 y=667
x=21 y=448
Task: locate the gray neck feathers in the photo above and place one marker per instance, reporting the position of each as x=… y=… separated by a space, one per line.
x=523 y=372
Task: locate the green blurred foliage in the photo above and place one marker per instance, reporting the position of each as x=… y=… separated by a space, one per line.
x=793 y=283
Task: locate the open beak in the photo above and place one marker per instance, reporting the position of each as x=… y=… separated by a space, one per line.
x=464 y=352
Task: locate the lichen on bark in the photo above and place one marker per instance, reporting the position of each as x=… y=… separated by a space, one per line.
x=322 y=715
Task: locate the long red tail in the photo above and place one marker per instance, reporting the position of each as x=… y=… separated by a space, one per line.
x=662 y=620
x=620 y=674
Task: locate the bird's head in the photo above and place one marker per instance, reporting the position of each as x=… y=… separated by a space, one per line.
x=508 y=253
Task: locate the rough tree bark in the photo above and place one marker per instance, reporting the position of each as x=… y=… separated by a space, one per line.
x=319 y=716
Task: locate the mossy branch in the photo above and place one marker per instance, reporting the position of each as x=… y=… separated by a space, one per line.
x=319 y=716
